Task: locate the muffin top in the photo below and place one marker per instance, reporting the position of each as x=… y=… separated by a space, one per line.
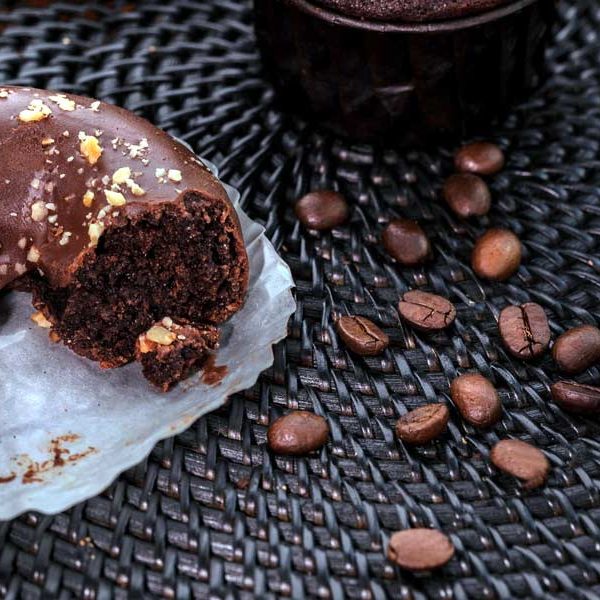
x=410 y=10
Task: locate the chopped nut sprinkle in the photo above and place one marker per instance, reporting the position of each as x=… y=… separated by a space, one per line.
x=66 y=237
x=115 y=198
x=20 y=268
x=47 y=141
x=90 y=148
x=175 y=175
x=88 y=198
x=136 y=190
x=36 y=111
x=95 y=230
x=40 y=320
x=95 y=106
x=33 y=255
x=38 y=211
x=63 y=102
x=121 y=175
x=22 y=243
x=3 y=269
x=161 y=335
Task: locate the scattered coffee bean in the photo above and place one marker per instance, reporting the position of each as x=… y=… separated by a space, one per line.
x=476 y=399
x=362 y=336
x=576 y=397
x=420 y=549
x=521 y=460
x=483 y=158
x=425 y=311
x=322 y=210
x=423 y=424
x=297 y=433
x=525 y=330
x=467 y=195
x=577 y=349
x=406 y=241
x=497 y=254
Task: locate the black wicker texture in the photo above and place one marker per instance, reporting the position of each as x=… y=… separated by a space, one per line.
x=212 y=513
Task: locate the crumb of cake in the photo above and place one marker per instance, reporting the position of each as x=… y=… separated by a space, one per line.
x=170 y=351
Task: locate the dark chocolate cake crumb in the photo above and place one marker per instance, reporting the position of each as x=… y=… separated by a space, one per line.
x=169 y=351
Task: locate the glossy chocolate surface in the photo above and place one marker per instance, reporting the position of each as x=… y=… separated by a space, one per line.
x=48 y=216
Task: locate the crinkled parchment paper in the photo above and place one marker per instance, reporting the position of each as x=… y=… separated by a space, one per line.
x=67 y=429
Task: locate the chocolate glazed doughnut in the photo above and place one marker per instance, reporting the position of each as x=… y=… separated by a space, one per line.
x=111 y=224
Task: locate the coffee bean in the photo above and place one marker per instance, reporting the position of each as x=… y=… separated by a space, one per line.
x=420 y=549
x=406 y=241
x=479 y=157
x=576 y=397
x=496 y=255
x=467 y=195
x=521 y=460
x=423 y=424
x=577 y=349
x=525 y=330
x=362 y=336
x=476 y=399
x=297 y=433
x=425 y=311
x=322 y=210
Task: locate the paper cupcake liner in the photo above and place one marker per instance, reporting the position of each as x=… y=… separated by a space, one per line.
x=68 y=429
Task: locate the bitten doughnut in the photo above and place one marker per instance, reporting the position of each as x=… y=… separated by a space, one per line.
x=112 y=224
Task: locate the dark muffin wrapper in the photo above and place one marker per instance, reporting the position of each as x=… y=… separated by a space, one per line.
x=407 y=82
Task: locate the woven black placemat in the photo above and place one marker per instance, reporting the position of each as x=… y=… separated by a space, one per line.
x=212 y=513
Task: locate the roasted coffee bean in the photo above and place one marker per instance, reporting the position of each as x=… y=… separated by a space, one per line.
x=497 y=254
x=479 y=157
x=362 y=336
x=406 y=241
x=525 y=330
x=420 y=549
x=577 y=349
x=297 y=433
x=322 y=210
x=476 y=399
x=423 y=424
x=425 y=311
x=576 y=397
x=521 y=460
x=467 y=195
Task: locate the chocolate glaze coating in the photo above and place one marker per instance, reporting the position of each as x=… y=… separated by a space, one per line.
x=410 y=10
x=44 y=177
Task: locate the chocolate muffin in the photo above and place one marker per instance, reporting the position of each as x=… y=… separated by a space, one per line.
x=410 y=10
x=405 y=72
x=112 y=224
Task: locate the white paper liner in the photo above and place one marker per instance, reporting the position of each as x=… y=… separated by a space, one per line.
x=109 y=421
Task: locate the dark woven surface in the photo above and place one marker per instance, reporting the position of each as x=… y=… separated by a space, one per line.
x=212 y=513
